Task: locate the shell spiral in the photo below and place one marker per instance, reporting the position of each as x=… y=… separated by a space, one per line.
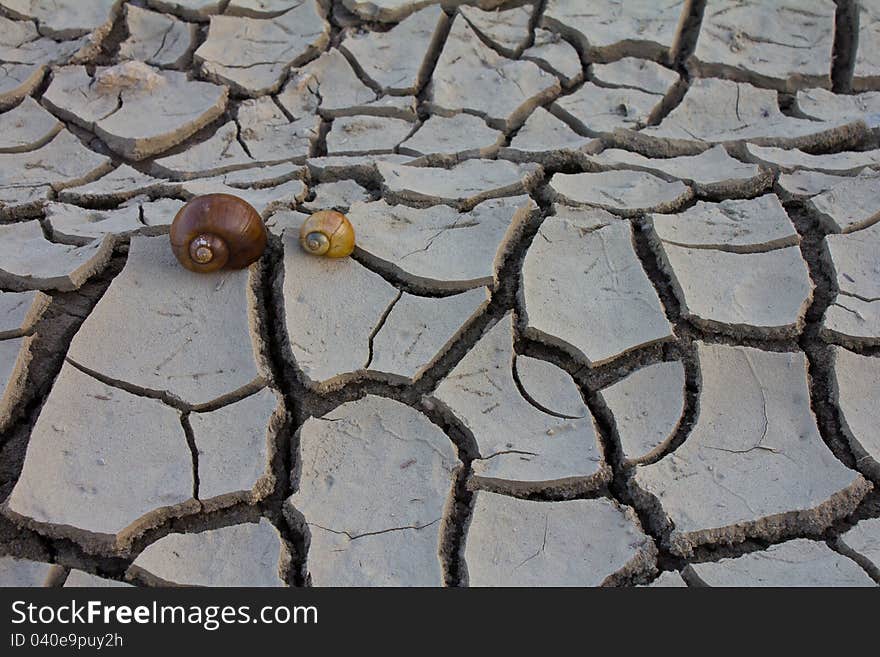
x=214 y=231
x=327 y=233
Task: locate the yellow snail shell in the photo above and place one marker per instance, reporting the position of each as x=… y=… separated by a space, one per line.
x=327 y=233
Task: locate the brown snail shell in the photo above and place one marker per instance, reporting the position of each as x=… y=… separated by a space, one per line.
x=215 y=231
x=327 y=233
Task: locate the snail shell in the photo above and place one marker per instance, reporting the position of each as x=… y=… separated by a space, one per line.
x=327 y=233
x=215 y=231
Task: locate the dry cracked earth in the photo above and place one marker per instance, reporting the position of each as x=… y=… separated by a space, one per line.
x=613 y=319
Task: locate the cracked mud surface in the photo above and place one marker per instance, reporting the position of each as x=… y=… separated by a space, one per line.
x=613 y=318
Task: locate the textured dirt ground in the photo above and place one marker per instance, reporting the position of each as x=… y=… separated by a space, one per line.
x=613 y=318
